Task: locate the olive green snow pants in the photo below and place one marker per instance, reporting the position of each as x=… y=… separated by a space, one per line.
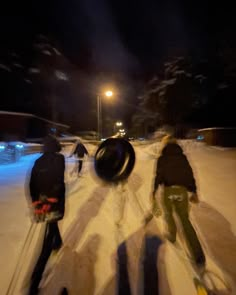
x=175 y=199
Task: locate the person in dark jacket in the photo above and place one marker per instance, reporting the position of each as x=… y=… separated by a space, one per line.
x=175 y=174
x=47 y=191
x=79 y=151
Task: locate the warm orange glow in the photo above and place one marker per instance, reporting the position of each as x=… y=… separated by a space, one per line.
x=108 y=93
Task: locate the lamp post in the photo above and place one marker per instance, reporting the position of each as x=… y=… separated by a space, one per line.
x=107 y=93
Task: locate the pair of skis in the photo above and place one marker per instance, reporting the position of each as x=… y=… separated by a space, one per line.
x=22 y=257
x=203 y=285
x=197 y=275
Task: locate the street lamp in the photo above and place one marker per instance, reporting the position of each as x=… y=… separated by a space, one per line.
x=107 y=93
x=118 y=124
x=116 y=127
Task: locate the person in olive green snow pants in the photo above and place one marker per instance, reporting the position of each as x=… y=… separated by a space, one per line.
x=175 y=174
x=175 y=200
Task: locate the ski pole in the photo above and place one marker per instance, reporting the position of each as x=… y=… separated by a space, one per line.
x=24 y=251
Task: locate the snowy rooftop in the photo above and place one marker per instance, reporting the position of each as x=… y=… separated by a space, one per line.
x=33 y=116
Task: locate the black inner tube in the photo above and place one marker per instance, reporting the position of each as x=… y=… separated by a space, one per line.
x=114 y=160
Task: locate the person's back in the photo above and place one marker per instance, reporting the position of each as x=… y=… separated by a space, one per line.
x=175 y=174
x=47 y=176
x=80 y=150
x=173 y=168
x=47 y=191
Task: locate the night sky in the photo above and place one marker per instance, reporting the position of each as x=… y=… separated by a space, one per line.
x=118 y=43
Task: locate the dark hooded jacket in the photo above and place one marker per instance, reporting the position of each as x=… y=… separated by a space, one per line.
x=173 y=168
x=47 y=175
x=80 y=150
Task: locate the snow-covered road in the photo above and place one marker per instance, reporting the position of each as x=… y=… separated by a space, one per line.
x=87 y=264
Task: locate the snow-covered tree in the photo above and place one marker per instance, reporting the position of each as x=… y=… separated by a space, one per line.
x=175 y=93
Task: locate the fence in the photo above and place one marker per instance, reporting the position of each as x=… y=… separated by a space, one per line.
x=12 y=153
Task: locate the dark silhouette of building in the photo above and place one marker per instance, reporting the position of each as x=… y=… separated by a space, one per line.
x=27 y=127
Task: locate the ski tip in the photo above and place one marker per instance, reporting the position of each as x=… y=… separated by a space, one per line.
x=201 y=289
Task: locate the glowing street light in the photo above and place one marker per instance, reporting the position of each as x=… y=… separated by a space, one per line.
x=107 y=93
x=118 y=124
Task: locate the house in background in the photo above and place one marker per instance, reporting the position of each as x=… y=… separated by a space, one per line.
x=22 y=134
x=27 y=127
x=218 y=136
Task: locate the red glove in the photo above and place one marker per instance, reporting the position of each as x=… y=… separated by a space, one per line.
x=42 y=208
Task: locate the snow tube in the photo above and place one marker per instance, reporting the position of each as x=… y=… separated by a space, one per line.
x=114 y=160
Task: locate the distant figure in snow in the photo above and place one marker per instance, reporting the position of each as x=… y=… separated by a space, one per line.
x=79 y=150
x=47 y=191
x=175 y=174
